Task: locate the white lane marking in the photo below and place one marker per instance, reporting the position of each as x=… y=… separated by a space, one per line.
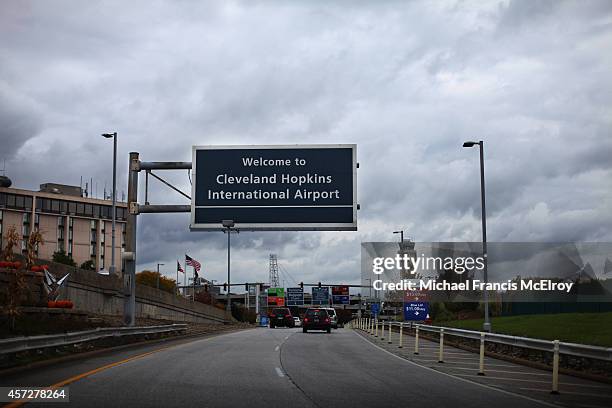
x=276 y=348
x=525 y=373
x=279 y=372
x=588 y=394
x=286 y=337
x=533 y=381
x=420 y=360
x=459 y=378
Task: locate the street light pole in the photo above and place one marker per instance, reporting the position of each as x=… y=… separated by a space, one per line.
x=487 y=323
x=228 y=224
x=401 y=235
x=111 y=269
x=158 y=273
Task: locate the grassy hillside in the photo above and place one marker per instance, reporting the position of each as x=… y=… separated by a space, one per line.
x=584 y=328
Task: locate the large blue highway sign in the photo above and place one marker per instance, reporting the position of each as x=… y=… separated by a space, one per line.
x=278 y=187
x=294 y=297
x=320 y=296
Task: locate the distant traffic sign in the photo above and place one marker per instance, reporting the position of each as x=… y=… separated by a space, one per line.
x=295 y=297
x=276 y=297
x=375 y=309
x=340 y=295
x=416 y=311
x=320 y=296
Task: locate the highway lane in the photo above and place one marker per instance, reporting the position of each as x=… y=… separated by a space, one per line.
x=272 y=368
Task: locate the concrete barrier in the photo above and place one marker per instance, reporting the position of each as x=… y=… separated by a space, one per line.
x=101 y=294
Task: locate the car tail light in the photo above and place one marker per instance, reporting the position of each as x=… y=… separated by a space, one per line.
x=272 y=315
x=287 y=315
x=327 y=320
x=305 y=319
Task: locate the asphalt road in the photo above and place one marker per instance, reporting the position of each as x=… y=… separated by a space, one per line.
x=265 y=368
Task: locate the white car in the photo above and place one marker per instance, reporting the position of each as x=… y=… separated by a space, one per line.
x=297 y=322
x=334 y=317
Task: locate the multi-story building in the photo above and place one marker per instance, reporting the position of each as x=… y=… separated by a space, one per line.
x=81 y=226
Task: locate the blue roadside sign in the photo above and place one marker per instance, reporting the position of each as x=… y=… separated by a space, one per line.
x=416 y=311
x=375 y=309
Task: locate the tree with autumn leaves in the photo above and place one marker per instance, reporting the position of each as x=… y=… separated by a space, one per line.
x=149 y=278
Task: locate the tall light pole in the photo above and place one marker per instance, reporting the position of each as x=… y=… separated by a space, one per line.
x=158 y=265
x=228 y=225
x=111 y=270
x=487 y=323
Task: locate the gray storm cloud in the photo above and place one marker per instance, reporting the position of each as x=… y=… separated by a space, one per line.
x=407 y=81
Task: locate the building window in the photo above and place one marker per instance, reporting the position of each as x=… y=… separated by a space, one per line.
x=60 y=232
x=70 y=229
x=19 y=201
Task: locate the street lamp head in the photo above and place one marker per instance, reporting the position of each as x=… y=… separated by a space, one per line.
x=109 y=135
x=397 y=232
x=228 y=223
x=469 y=144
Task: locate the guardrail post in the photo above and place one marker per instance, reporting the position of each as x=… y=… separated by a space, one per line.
x=555 y=371
x=482 y=353
x=376 y=330
x=441 y=352
x=389 y=335
x=382 y=331
x=416 y=340
x=401 y=335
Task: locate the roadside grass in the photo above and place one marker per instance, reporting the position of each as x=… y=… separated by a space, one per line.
x=583 y=328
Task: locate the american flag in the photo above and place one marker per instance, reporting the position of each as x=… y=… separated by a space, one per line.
x=179 y=268
x=192 y=262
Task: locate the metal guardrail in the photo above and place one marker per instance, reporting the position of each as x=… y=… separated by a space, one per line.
x=572 y=349
x=17 y=344
x=555 y=347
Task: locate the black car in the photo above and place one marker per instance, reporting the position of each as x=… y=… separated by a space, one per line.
x=281 y=317
x=316 y=319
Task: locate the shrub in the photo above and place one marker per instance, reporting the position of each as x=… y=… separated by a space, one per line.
x=149 y=278
x=63 y=258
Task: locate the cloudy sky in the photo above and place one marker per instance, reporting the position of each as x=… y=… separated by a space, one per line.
x=407 y=81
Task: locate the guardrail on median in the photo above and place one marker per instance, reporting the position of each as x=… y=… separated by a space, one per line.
x=17 y=344
x=555 y=347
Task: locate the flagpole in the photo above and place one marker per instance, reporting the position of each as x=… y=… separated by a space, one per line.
x=194 y=278
x=185 y=278
x=177 y=284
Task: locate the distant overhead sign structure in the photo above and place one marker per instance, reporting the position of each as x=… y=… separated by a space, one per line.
x=295 y=297
x=276 y=297
x=340 y=295
x=320 y=296
x=280 y=187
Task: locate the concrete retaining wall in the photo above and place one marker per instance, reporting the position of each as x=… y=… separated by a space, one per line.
x=99 y=294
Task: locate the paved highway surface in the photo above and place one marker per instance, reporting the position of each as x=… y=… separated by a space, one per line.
x=264 y=368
